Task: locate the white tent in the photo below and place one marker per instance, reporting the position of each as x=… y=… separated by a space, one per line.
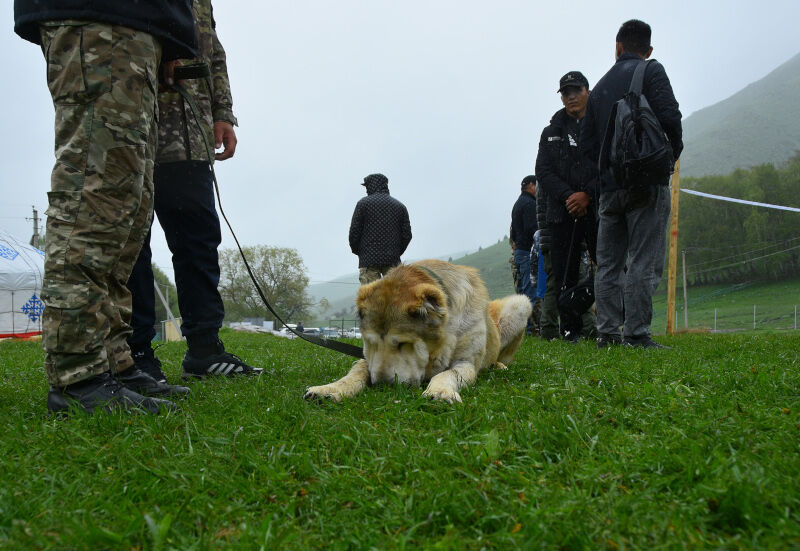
x=21 y=269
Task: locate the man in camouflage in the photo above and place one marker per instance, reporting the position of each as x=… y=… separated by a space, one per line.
x=102 y=67
x=184 y=204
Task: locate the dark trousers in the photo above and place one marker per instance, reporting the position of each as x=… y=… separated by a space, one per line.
x=184 y=205
x=585 y=229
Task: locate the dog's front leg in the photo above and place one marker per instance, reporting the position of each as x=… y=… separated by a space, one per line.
x=348 y=386
x=445 y=385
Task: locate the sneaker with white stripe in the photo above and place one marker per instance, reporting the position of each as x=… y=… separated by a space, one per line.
x=223 y=364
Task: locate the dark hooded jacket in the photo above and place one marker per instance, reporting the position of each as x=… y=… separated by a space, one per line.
x=613 y=87
x=170 y=21
x=523 y=221
x=560 y=167
x=380 y=229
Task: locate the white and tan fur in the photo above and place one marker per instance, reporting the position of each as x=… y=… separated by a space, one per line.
x=430 y=321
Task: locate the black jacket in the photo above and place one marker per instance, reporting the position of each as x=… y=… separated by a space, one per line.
x=523 y=221
x=545 y=237
x=380 y=230
x=560 y=167
x=170 y=21
x=613 y=87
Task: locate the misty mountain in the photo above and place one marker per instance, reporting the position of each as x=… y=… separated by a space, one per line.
x=759 y=124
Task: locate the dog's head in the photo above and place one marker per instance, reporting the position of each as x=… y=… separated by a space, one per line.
x=402 y=323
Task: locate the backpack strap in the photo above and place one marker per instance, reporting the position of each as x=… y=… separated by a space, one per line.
x=637 y=82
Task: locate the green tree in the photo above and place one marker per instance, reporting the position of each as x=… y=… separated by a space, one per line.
x=167 y=288
x=280 y=273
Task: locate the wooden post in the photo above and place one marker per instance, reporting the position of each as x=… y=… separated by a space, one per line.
x=685 y=295
x=673 y=249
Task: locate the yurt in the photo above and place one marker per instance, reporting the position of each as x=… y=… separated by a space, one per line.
x=21 y=270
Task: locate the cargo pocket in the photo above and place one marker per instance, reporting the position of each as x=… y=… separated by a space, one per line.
x=78 y=61
x=108 y=212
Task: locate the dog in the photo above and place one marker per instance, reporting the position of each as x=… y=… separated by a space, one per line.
x=430 y=321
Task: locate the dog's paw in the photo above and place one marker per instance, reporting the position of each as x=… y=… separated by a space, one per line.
x=324 y=392
x=442 y=393
x=498 y=365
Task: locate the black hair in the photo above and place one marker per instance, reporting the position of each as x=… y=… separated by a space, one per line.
x=634 y=35
x=528 y=180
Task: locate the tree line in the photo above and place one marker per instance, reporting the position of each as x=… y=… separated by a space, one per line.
x=729 y=242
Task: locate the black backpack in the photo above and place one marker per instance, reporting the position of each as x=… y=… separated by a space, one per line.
x=635 y=147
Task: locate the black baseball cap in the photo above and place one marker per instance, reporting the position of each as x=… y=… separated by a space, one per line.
x=573 y=78
x=528 y=180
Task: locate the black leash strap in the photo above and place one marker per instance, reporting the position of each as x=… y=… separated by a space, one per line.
x=338 y=346
x=569 y=255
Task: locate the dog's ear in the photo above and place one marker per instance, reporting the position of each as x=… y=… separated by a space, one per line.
x=429 y=303
x=364 y=294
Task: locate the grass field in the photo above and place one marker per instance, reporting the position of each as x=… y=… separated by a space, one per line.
x=572 y=448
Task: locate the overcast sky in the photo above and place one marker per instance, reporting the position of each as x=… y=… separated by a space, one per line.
x=447 y=98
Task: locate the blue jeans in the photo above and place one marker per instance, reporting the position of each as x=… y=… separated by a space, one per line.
x=522 y=260
x=631 y=244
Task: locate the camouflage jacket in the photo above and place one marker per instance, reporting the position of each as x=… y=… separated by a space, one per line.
x=179 y=137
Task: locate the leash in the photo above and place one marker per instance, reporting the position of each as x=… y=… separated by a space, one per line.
x=196 y=71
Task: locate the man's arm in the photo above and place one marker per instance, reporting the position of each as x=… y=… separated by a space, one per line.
x=356 y=224
x=221 y=98
x=547 y=161
x=405 y=230
x=662 y=99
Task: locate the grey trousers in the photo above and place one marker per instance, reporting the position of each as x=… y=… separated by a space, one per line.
x=635 y=238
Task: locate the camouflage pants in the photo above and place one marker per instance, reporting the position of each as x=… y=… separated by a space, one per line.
x=102 y=79
x=372 y=273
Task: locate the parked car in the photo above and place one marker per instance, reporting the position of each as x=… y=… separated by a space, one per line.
x=312 y=331
x=330 y=333
x=354 y=333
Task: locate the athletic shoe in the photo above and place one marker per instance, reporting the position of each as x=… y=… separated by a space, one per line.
x=642 y=342
x=106 y=393
x=139 y=381
x=608 y=340
x=146 y=361
x=223 y=364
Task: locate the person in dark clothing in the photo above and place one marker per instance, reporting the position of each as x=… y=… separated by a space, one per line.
x=100 y=203
x=632 y=223
x=523 y=227
x=380 y=230
x=570 y=191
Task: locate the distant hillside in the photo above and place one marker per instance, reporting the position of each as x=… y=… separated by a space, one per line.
x=759 y=124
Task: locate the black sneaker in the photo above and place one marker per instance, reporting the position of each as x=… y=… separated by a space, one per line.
x=223 y=364
x=146 y=361
x=608 y=340
x=139 y=381
x=105 y=392
x=642 y=342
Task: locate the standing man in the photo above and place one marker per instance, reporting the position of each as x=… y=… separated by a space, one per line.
x=184 y=204
x=379 y=230
x=632 y=224
x=523 y=227
x=102 y=71
x=566 y=180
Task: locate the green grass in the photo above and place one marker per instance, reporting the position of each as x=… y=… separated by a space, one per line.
x=572 y=448
x=775 y=303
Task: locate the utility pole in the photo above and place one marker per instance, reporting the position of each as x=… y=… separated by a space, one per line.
x=35 y=238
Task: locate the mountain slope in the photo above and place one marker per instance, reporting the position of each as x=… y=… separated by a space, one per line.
x=759 y=124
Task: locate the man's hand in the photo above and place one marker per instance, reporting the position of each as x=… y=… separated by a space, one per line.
x=224 y=135
x=168 y=73
x=577 y=203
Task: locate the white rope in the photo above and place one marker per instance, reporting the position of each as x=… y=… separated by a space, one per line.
x=742 y=201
